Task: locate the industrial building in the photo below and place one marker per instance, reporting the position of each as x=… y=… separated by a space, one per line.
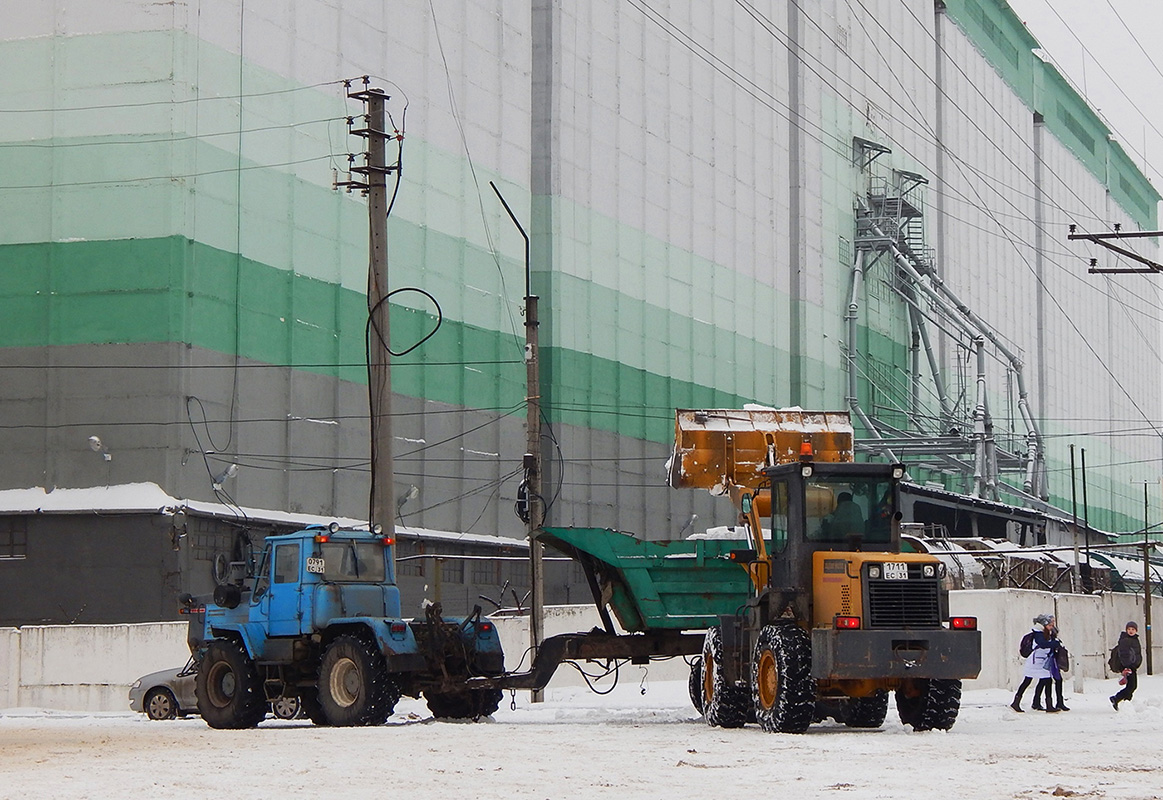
x=853 y=205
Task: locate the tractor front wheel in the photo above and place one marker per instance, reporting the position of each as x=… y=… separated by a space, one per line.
x=228 y=688
x=354 y=687
x=782 y=689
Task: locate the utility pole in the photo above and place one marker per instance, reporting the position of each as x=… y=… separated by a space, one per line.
x=382 y=505
x=535 y=511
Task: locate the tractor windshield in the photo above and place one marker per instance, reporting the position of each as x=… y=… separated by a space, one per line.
x=849 y=510
x=350 y=560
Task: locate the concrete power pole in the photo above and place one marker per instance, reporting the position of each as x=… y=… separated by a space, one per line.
x=382 y=505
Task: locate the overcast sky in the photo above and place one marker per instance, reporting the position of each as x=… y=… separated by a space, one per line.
x=1110 y=50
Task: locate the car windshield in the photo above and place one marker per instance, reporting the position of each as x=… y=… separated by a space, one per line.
x=350 y=560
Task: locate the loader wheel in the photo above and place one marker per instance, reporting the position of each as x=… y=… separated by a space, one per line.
x=354 y=686
x=695 y=684
x=929 y=704
x=866 y=712
x=782 y=689
x=473 y=704
x=725 y=703
x=228 y=688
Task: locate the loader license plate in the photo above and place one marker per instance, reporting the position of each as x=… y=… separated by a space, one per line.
x=895 y=571
x=315 y=565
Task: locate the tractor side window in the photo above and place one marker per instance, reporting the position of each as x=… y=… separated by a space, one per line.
x=262 y=576
x=287 y=563
x=779 y=512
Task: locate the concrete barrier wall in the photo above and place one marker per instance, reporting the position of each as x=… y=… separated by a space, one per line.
x=90 y=667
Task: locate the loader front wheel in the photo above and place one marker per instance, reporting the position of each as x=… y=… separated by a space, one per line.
x=866 y=712
x=782 y=690
x=725 y=703
x=228 y=688
x=929 y=704
x=354 y=686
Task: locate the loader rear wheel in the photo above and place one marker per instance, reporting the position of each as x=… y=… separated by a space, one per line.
x=929 y=704
x=473 y=704
x=725 y=703
x=228 y=688
x=866 y=712
x=354 y=686
x=782 y=690
x=695 y=684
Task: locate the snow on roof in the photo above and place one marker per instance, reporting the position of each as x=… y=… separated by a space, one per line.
x=149 y=498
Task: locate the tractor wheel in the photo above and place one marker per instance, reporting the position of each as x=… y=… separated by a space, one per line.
x=312 y=710
x=695 y=684
x=228 y=688
x=354 y=687
x=782 y=689
x=932 y=705
x=866 y=712
x=160 y=704
x=473 y=704
x=725 y=703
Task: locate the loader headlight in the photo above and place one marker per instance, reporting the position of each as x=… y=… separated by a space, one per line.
x=874 y=571
x=929 y=570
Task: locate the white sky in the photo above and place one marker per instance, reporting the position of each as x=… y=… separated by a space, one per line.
x=1109 y=50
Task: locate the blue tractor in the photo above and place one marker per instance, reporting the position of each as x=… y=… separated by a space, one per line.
x=319 y=619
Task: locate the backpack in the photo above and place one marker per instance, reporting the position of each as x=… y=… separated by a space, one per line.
x=1062 y=658
x=1114 y=663
x=1027 y=645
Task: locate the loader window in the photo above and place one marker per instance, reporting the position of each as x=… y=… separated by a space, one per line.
x=779 y=495
x=850 y=511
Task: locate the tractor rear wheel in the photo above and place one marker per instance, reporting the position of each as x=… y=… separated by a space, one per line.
x=866 y=712
x=309 y=698
x=473 y=704
x=354 y=686
x=782 y=689
x=228 y=688
x=725 y=703
x=929 y=704
x=694 y=684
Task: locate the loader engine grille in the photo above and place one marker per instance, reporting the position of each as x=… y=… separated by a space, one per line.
x=912 y=603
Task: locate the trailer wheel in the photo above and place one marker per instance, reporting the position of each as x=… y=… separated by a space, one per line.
x=929 y=704
x=725 y=703
x=695 y=684
x=782 y=689
x=866 y=712
x=354 y=686
x=473 y=704
x=228 y=689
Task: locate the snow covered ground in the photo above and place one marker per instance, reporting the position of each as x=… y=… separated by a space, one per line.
x=579 y=745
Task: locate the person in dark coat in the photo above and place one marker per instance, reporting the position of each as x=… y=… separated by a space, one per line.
x=1131 y=658
x=1056 y=672
x=1039 y=665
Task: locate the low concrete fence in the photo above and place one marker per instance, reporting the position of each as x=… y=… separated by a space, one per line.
x=91 y=667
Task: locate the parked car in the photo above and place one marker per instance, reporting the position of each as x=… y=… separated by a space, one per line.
x=165 y=694
x=169 y=693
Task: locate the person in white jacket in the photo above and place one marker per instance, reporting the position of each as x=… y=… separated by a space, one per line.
x=1038 y=665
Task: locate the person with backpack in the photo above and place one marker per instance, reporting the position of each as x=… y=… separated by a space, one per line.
x=1041 y=649
x=1127 y=656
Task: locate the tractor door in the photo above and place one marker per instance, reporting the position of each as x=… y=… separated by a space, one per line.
x=285 y=591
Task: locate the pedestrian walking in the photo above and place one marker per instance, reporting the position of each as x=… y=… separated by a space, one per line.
x=1059 y=664
x=1129 y=657
x=1038 y=665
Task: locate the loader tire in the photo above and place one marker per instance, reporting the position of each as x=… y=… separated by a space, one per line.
x=694 y=684
x=931 y=705
x=354 y=685
x=473 y=704
x=782 y=690
x=725 y=703
x=228 y=689
x=866 y=712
